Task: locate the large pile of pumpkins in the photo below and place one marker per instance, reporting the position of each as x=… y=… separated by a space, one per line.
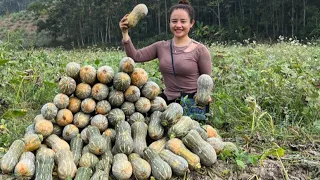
x=105 y=124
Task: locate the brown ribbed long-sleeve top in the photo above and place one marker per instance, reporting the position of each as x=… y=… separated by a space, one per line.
x=188 y=65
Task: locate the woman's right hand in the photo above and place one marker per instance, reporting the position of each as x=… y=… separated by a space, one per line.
x=123 y=24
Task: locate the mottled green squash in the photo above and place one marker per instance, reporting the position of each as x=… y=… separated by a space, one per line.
x=216 y=143
x=115 y=115
x=100 y=121
x=105 y=74
x=65 y=163
x=74 y=104
x=177 y=163
x=138 y=12
x=116 y=98
x=200 y=147
x=139 y=77
x=97 y=144
x=139 y=134
x=141 y=168
x=159 y=145
x=85 y=150
x=158 y=104
x=49 y=111
x=30 y=129
x=43 y=126
x=70 y=131
x=100 y=91
x=132 y=94
x=160 y=169
x=64 y=117
x=155 y=129
x=202 y=132
x=127 y=65
x=124 y=141
x=83 y=90
x=32 y=141
x=88 y=74
x=103 y=107
x=81 y=120
x=84 y=135
x=88 y=105
x=56 y=143
x=11 y=158
x=182 y=127
x=104 y=165
x=150 y=90
x=204 y=89
x=230 y=148
x=57 y=130
x=73 y=69
x=110 y=133
x=88 y=160
x=143 y=105
x=121 y=81
x=100 y=175
x=61 y=101
x=84 y=173
x=76 y=146
x=44 y=163
x=121 y=168
x=128 y=108
x=26 y=166
x=171 y=115
x=67 y=85
x=136 y=117
x=176 y=146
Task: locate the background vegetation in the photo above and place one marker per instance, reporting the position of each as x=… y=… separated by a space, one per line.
x=95 y=22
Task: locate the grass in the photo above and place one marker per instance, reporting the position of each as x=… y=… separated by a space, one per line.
x=263 y=94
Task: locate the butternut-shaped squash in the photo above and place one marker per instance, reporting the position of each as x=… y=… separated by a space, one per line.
x=138 y=12
x=200 y=147
x=176 y=146
x=124 y=141
x=172 y=114
x=121 y=168
x=44 y=163
x=155 y=129
x=159 y=145
x=65 y=162
x=204 y=89
x=11 y=158
x=76 y=146
x=141 y=168
x=139 y=134
x=83 y=173
x=160 y=169
x=182 y=127
x=177 y=163
x=97 y=144
x=26 y=166
x=56 y=143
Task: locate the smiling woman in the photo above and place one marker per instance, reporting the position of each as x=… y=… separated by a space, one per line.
x=182 y=60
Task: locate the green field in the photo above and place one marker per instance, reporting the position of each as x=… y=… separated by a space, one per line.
x=266 y=97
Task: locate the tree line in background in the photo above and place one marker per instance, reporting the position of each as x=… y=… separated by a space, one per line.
x=88 y=22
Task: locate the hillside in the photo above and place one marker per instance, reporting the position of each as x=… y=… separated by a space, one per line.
x=22 y=27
